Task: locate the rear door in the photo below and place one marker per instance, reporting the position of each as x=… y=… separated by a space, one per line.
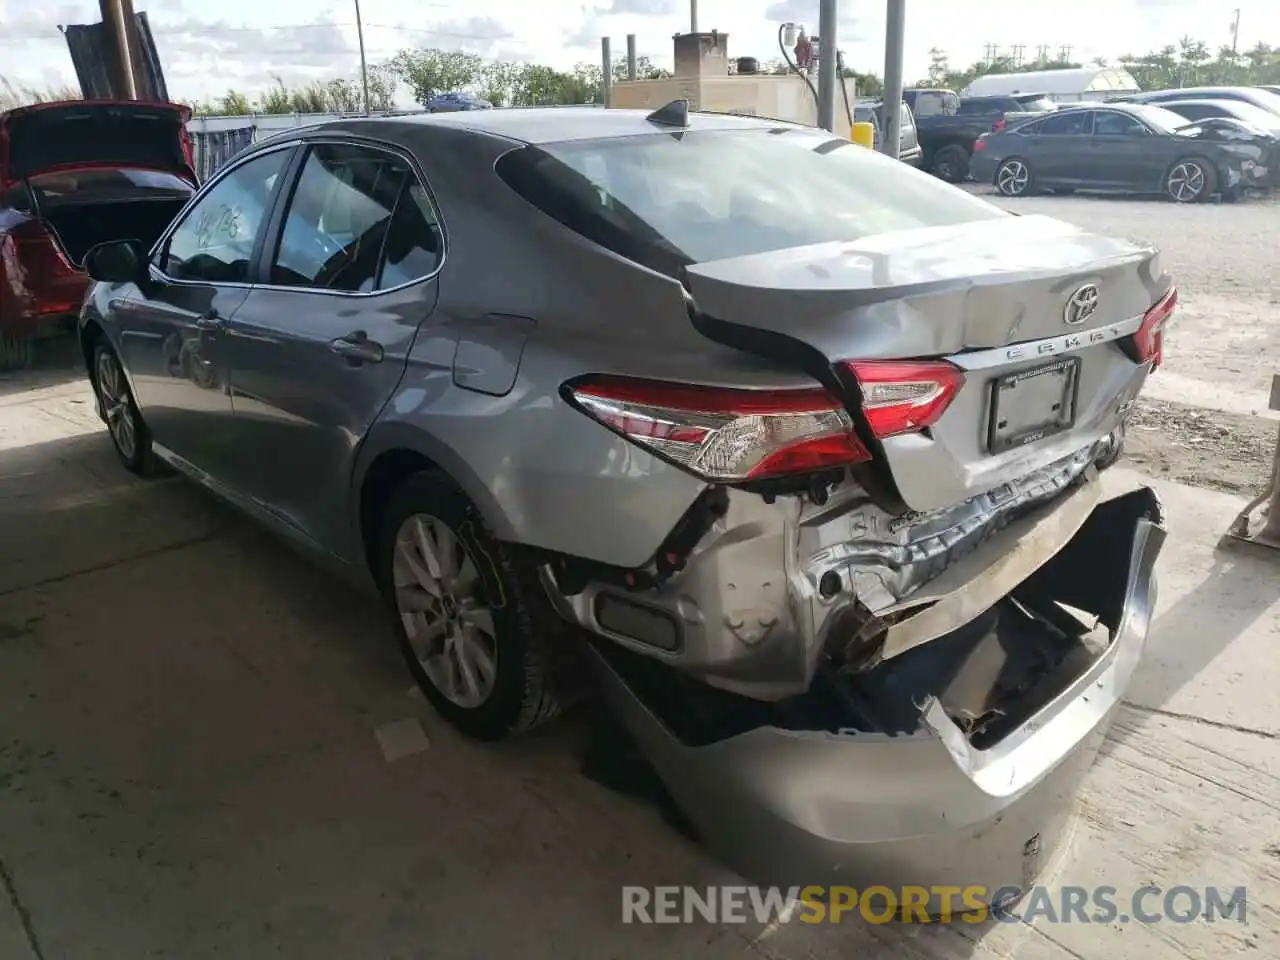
x=321 y=342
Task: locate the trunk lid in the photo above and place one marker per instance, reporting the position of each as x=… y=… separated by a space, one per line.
x=48 y=136
x=992 y=297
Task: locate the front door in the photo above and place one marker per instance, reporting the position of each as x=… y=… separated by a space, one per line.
x=1060 y=143
x=1119 y=151
x=171 y=331
x=320 y=344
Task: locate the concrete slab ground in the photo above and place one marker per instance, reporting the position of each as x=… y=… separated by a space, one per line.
x=195 y=726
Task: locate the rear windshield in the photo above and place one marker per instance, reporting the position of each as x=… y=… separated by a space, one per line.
x=668 y=200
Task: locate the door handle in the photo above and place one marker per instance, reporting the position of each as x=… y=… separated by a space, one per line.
x=209 y=321
x=357 y=348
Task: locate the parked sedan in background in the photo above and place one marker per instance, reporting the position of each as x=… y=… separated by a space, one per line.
x=1118 y=147
x=797 y=458
x=1257 y=96
x=1207 y=109
x=457 y=101
x=73 y=174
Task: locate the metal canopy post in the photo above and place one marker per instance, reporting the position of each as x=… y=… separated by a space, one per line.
x=894 y=48
x=606 y=65
x=828 y=71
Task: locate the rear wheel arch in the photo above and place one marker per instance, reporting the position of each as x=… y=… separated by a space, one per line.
x=389 y=458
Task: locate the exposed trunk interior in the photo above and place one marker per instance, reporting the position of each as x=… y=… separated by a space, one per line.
x=990 y=675
x=77 y=226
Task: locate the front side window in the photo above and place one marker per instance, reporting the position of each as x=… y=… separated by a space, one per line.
x=338 y=217
x=669 y=200
x=214 y=243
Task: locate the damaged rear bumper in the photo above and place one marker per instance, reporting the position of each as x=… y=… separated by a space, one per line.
x=771 y=586
x=832 y=789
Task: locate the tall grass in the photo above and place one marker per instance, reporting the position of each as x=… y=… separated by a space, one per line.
x=19 y=95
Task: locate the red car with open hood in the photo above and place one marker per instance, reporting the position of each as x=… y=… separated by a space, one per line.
x=72 y=174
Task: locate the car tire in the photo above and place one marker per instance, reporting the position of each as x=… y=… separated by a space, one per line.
x=1013 y=178
x=1191 y=180
x=951 y=164
x=17 y=351
x=128 y=431
x=464 y=612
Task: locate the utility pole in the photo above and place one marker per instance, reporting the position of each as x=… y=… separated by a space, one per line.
x=693 y=16
x=895 y=43
x=828 y=71
x=364 y=69
x=631 y=56
x=1235 y=33
x=113 y=15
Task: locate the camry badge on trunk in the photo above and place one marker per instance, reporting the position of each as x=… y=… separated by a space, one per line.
x=1081 y=306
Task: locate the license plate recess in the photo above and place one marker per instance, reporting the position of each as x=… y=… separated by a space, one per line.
x=1033 y=404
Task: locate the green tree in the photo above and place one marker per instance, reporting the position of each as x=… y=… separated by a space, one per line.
x=432 y=71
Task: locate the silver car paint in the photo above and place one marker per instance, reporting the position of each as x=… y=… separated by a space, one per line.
x=794 y=807
x=949 y=292
x=474 y=358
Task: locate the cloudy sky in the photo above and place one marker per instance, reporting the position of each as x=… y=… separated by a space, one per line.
x=209 y=46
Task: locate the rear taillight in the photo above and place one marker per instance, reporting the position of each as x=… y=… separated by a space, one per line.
x=726 y=434
x=1149 y=340
x=980 y=143
x=905 y=396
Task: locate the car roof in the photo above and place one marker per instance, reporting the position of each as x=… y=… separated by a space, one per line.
x=537 y=125
x=1206 y=102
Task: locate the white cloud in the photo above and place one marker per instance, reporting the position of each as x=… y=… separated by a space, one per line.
x=243 y=43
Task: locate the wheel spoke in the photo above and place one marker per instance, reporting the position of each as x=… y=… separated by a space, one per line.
x=478 y=654
x=438 y=594
x=427 y=548
x=462 y=654
x=408 y=556
x=478 y=618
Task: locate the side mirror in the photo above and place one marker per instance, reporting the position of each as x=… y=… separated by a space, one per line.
x=116 y=261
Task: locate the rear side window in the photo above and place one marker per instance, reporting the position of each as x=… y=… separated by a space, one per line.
x=669 y=200
x=1066 y=124
x=935 y=103
x=358 y=221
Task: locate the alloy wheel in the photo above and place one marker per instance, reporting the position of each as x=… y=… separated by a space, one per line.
x=439 y=596
x=1013 y=178
x=1186 y=182
x=117 y=404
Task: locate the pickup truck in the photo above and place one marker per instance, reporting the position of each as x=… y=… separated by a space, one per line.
x=948 y=125
x=871 y=110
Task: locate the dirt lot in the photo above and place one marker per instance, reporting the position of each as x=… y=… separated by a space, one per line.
x=1198 y=423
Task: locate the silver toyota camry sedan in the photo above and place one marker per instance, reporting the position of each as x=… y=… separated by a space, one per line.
x=798 y=446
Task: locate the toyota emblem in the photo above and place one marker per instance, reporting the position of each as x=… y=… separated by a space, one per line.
x=1081 y=306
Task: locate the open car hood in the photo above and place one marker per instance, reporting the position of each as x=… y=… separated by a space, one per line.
x=47 y=136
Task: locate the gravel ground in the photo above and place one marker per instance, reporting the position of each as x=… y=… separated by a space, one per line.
x=1198 y=423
